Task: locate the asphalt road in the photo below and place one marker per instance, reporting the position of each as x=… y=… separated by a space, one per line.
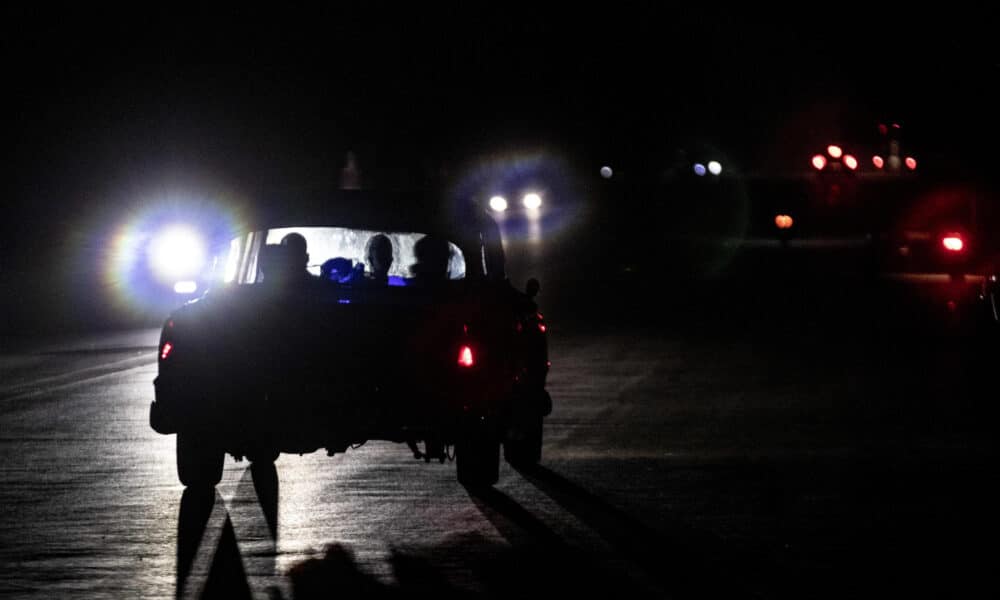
x=678 y=462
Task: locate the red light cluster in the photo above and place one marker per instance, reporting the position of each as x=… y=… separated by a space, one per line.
x=953 y=242
x=465 y=357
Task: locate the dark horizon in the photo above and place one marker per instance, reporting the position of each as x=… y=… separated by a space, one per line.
x=108 y=118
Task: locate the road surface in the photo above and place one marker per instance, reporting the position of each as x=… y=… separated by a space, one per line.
x=678 y=462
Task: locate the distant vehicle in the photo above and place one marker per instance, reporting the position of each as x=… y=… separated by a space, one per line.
x=441 y=350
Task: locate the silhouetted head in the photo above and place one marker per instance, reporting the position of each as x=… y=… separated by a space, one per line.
x=335 y=269
x=432 y=255
x=297 y=245
x=379 y=254
x=278 y=264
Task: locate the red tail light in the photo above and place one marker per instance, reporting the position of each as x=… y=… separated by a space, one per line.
x=465 y=357
x=953 y=243
x=166 y=350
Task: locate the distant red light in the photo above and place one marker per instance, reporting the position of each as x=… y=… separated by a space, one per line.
x=541 y=327
x=911 y=163
x=165 y=352
x=834 y=151
x=819 y=162
x=883 y=129
x=878 y=162
x=465 y=357
x=783 y=221
x=850 y=162
x=953 y=243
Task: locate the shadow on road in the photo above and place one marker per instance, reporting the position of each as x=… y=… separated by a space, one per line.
x=539 y=561
x=685 y=561
x=209 y=560
x=337 y=574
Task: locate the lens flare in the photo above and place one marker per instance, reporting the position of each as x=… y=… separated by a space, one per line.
x=164 y=241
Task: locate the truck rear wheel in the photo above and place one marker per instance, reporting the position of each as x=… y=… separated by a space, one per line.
x=523 y=446
x=477 y=458
x=199 y=461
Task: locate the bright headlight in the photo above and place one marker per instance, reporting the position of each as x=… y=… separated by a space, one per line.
x=177 y=252
x=532 y=201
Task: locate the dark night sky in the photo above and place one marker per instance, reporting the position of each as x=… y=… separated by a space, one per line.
x=90 y=99
x=101 y=105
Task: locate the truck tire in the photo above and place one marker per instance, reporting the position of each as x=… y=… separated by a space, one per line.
x=477 y=458
x=523 y=446
x=199 y=462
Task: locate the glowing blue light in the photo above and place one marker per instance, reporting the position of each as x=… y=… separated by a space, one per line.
x=699 y=169
x=343 y=301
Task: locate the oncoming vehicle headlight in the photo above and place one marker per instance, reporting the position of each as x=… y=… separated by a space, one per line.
x=177 y=252
x=532 y=201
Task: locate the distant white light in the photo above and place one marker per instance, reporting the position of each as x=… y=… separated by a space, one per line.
x=176 y=252
x=498 y=203
x=185 y=287
x=714 y=167
x=699 y=169
x=606 y=172
x=532 y=201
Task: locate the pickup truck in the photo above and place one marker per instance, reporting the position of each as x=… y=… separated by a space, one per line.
x=428 y=344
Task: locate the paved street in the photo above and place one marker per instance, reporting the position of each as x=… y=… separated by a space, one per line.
x=674 y=466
